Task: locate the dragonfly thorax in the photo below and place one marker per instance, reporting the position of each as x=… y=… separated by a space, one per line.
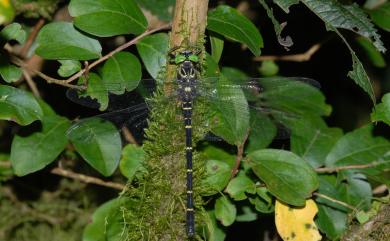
x=187 y=78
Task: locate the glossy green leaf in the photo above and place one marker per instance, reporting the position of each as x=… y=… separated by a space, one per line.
x=372 y=53
x=358 y=147
x=18 y=105
x=96 y=90
x=228 y=22
x=211 y=67
x=7 y=12
x=163 y=9
x=123 y=70
x=381 y=16
x=239 y=185
x=286 y=4
x=217 y=43
x=231 y=119
x=215 y=153
x=331 y=221
x=153 y=51
x=217 y=177
x=60 y=40
x=225 y=211
x=32 y=153
x=9 y=72
x=98 y=142
x=286 y=175
x=132 y=161
x=105 y=18
x=68 y=67
x=382 y=110
x=350 y=17
x=312 y=140
x=107 y=222
x=13 y=31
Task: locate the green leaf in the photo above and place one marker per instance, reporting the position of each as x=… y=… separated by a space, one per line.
x=262 y=132
x=228 y=22
x=212 y=68
x=13 y=31
x=217 y=177
x=132 y=161
x=215 y=153
x=7 y=12
x=355 y=190
x=382 y=110
x=68 y=67
x=107 y=222
x=9 y=72
x=19 y=106
x=350 y=17
x=286 y=4
x=217 y=43
x=358 y=147
x=287 y=95
x=163 y=9
x=60 y=40
x=372 y=53
x=287 y=176
x=231 y=114
x=98 y=142
x=359 y=75
x=214 y=231
x=225 y=211
x=263 y=201
x=331 y=221
x=239 y=185
x=106 y=18
x=96 y=90
x=381 y=16
x=268 y=68
x=32 y=153
x=153 y=51
x=124 y=70
x=312 y=140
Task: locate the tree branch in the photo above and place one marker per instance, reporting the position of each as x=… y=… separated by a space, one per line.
x=306 y=56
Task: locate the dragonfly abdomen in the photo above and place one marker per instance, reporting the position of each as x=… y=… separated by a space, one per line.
x=187 y=114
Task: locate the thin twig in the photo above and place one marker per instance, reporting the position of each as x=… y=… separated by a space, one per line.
x=240 y=153
x=340 y=168
x=31 y=37
x=87 y=179
x=31 y=83
x=65 y=82
x=306 y=56
x=334 y=200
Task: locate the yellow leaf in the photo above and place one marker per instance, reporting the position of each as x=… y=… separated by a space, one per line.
x=7 y=12
x=297 y=224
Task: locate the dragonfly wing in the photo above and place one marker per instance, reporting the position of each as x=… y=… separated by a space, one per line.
x=134 y=119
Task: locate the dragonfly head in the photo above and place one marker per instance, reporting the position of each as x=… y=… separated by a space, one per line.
x=186 y=55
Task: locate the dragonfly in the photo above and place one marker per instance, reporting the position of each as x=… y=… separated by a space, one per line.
x=218 y=91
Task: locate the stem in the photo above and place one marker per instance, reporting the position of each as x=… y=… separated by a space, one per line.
x=340 y=168
x=334 y=200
